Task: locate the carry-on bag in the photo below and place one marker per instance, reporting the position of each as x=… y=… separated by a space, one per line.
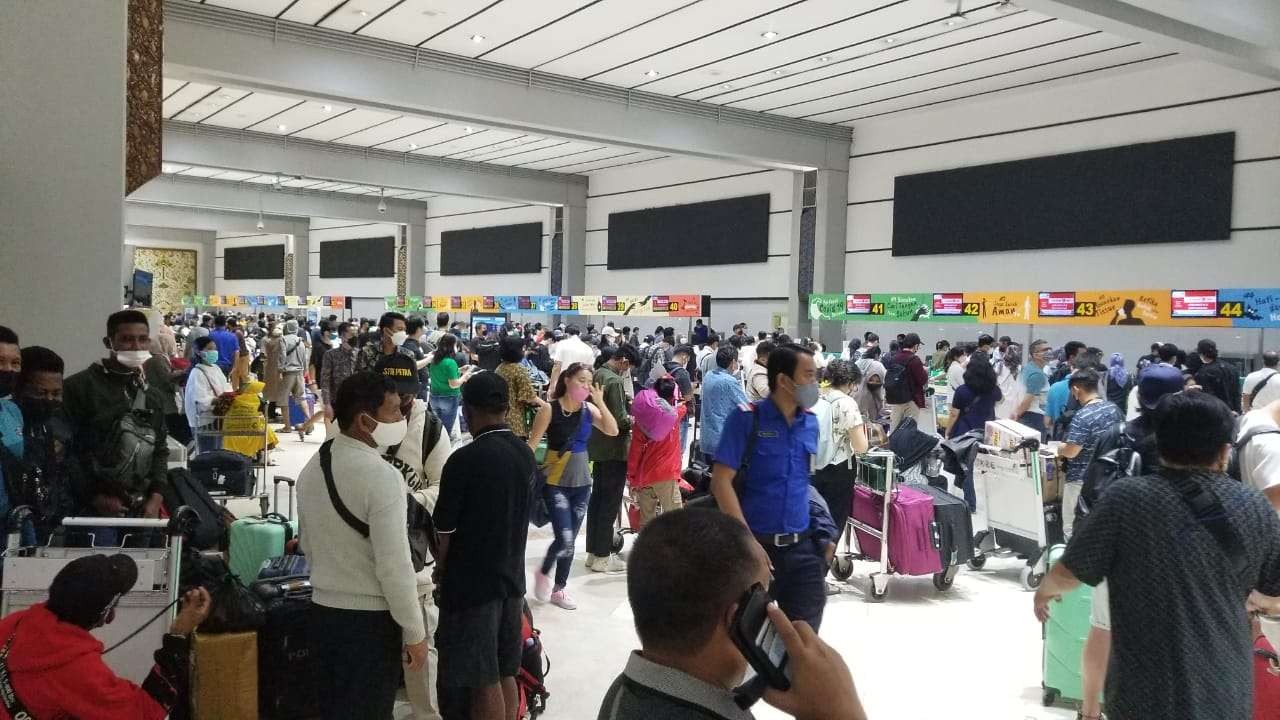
x=224 y=676
x=955 y=526
x=255 y=541
x=1064 y=636
x=208 y=531
x=912 y=550
x=223 y=471
x=288 y=672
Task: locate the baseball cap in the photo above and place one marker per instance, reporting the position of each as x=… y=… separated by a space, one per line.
x=608 y=331
x=485 y=390
x=402 y=370
x=87 y=585
x=1157 y=381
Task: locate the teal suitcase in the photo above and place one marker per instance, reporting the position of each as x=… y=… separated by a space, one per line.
x=1064 y=636
x=256 y=540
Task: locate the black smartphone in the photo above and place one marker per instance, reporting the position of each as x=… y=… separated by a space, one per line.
x=758 y=640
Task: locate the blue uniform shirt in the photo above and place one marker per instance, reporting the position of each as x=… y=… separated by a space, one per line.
x=775 y=497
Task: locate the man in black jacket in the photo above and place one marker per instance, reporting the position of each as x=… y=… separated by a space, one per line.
x=1216 y=377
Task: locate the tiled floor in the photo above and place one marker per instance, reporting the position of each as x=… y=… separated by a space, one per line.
x=971 y=652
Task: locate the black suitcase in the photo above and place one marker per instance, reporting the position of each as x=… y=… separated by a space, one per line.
x=288 y=671
x=955 y=526
x=223 y=471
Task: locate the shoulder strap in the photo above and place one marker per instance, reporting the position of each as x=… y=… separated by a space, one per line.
x=1251 y=434
x=8 y=695
x=1258 y=388
x=326 y=466
x=431 y=434
x=1208 y=510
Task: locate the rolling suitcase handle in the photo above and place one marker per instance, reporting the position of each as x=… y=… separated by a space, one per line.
x=292 y=483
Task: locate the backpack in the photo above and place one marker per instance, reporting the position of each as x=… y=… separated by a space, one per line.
x=652 y=414
x=828 y=446
x=1063 y=423
x=898 y=385
x=1233 y=460
x=534 y=667
x=294 y=361
x=654 y=356
x=209 y=530
x=1115 y=457
x=129 y=448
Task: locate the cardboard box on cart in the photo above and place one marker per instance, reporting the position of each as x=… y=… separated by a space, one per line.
x=1007 y=434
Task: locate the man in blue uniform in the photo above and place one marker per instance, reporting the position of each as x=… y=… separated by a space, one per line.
x=773 y=439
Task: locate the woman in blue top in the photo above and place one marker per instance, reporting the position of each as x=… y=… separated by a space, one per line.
x=567 y=421
x=973 y=404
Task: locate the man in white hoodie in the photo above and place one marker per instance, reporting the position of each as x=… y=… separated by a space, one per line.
x=420 y=459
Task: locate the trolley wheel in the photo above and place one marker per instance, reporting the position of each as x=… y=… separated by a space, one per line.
x=618 y=541
x=874 y=595
x=842 y=567
x=977 y=562
x=943 y=580
x=1030 y=578
x=1049 y=697
x=978 y=538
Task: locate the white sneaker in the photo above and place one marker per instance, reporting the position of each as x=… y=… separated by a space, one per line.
x=612 y=565
x=541 y=586
x=560 y=598
x=591 y=561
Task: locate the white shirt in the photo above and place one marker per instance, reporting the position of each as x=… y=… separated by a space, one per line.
x=421 y=474
x=747 y=355
x=1260 y=458
x=845 y=416
x=955 y=375
x=572 y=350
x=1270 y=391
x=204 y=383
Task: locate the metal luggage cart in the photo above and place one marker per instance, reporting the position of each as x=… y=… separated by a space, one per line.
x=1019 y=520
x=214 y=426
x=148 y=609
x=877 y=471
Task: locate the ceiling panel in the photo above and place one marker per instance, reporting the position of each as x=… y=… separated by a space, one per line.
x=237 y=175
x=590 y=168
x=874 y=71
x=502 y=22
x=581 y=156
x=792 y=25
x=250 y=110
x=405 y=127
x=413 y=21
x=345 y=124
x=687 y=24
x=435 y=132
x=212 y=104
x=169 y=86
x=203 y=172
x=261 y=7
x=592 y=24
x=512 y=155
x=356 y=14
x=182 y=98
x=497 y=144
x=876 y=92
x=310 y=11
x=464 y=141
x=296 y=117
x=570 y=151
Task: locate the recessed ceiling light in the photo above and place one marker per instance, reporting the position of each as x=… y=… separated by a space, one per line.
x=890 y=41
x=326 y=108
x=715 y=73
x=413 y=146
x=727 y=86
x=468 y=129
x=651 y=73
x=477 y=38
x=954 y=20
x=824 y=58
x=282 y=128
x=225 y=96
x=362 y=13
x=768 y=35
x=779 y=72
x=432 y=13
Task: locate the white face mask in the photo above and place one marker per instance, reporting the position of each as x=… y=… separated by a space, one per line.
x=133 y=359
x=388 y=434
x=398 y=339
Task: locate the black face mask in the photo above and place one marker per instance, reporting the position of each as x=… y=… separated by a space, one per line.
x=8 y=380
x=37 y=411
x=873 y=388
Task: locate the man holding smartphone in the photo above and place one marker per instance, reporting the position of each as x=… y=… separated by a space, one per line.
x=688 y=575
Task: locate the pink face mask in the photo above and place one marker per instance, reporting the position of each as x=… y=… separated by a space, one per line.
x=578 y=393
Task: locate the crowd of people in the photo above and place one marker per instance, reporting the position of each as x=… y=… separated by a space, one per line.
x=473 y=432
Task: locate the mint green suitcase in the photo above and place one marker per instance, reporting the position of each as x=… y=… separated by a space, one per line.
x=255 y=540
x=1064 y=636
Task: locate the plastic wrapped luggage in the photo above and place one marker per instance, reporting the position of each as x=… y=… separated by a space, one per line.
x=223 y=471
x=224 y=676
x=955 y=526
x=1064 y=636
x=911 y=529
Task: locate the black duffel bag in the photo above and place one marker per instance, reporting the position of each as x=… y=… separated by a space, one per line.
x=223 y=471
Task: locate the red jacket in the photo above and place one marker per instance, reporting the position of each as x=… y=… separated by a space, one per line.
x=57 y=672
x=654 y=461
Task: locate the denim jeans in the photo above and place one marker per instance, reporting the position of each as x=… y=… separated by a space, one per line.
x=568 y=506
x=446 y=408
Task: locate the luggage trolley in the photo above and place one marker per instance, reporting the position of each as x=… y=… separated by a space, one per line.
x=258 y=428
x=877 y=471
x=1020 y=522
x=146 y=611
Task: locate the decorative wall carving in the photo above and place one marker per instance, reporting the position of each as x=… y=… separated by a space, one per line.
x=174 y=275
x=402 y=269
x=289 y=278
x=144 y=93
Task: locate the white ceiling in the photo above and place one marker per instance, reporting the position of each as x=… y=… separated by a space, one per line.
x=833 y=61
x=362 y=127
x=288 y=181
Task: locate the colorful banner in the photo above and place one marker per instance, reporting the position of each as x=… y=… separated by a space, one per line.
x=1225 y=307
x=640 y=305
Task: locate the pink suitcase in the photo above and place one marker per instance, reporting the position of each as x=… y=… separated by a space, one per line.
x=911 y=529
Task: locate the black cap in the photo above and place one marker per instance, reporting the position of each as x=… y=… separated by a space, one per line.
x=486 y=390
x=83 y=589
x=402 y=370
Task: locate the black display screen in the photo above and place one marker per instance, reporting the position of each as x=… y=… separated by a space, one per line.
x=256 y=262
x=360 y=258
x=1169 y=191
x=719 y=232
x=497 y=250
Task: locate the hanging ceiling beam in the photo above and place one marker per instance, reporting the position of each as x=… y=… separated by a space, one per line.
x=205 y=43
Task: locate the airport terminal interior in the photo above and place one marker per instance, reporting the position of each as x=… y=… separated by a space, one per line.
x=1033 y=220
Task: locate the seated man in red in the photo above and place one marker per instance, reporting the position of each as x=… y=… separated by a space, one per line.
x=52 y=667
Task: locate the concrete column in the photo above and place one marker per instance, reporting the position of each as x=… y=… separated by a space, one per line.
x=301 y=260
x=796 y=320
x=205 y=263
x=829 y=245
x=62 y=137
x=416 y=234
x=574 y=265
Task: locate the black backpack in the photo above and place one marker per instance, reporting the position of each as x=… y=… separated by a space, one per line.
x=209 y=532
x=898 y=386
x=1115 y=457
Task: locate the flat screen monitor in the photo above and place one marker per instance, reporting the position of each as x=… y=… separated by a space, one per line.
x=1193 y=303
x=358 y=258
x=948 y=303
x=253 y=262
x=1057 y=304
x=718 y=232
x=497 y=250
x=142 y=282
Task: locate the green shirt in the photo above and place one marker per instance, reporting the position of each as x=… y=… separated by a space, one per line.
x=601 y=446
x=441 y=373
